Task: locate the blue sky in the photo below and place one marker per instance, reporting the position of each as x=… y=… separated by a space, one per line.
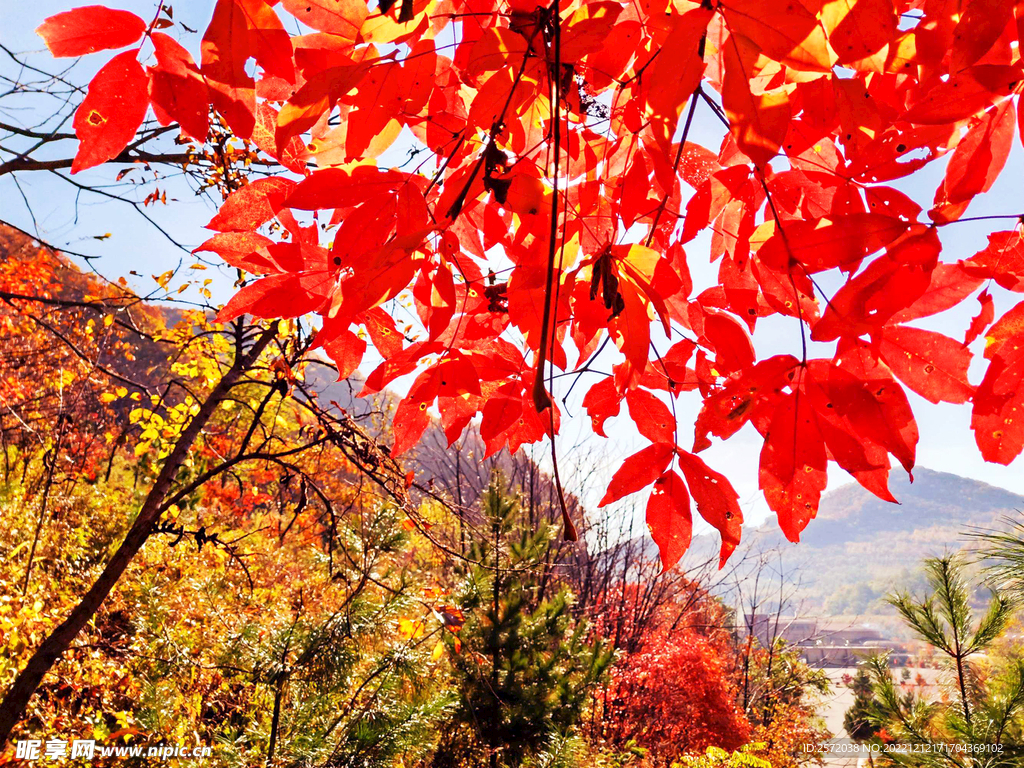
x=73 y=220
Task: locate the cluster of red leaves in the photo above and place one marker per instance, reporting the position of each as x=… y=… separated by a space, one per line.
x=556 y=137
x=674 y=697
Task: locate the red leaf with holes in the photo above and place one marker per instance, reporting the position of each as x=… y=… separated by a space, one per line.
x=823 y=244
x=411 y=419
x=964 y=94
x=668 y=518
x=717 y=501
x=752 y=393
x=949 y=285
x=339 y=17
x=998 y=415
x=111 y=111
x=89 y=29
x=933 y=365
x=602 y=401
x=793 y=464
x=889 y=284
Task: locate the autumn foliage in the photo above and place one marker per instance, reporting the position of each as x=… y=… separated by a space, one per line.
x=558 y=187
x=676 y=696
x=281 y=610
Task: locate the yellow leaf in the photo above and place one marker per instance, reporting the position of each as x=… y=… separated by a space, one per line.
x=408 y=628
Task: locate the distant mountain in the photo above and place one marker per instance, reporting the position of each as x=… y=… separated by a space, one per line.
x=859 y=548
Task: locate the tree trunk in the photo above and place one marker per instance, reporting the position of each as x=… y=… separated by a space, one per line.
x=53 y=647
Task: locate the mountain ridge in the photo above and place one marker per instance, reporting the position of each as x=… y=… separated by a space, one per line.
x=860 y=548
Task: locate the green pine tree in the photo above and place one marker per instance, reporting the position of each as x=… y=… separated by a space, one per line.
x=981 y=716
x=858 y=721
x=526 y=665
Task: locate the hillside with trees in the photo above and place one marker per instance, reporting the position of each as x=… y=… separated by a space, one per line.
x=860 y=548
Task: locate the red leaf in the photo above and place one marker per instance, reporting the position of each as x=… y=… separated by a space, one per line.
x=285 y=295
x=827 y=243
x=716 y=500
x=111 y=111
x=950 y=284
x=983 y=319
x=411 y=419
x=252 y=205
x=651 y=416
x=964 y=94
x=89 y=29
x=977 y=161
x=340 y=188
x=269 y=42
x=638 y=471
x=746 y=395
x=602 y=401
x=586 y=30
x=635 y=186
x=733 y=348
x=758 y=122
x=178 y=91
x=1002 y=260
x=838 y=398
x=933 y=365
x=225 y=51
x=999 y=402
x=668 y=518
x=383 y=333
x=868 y=301
x=239 y=249
x=677 y=71
x=785 y=32
x=346 y=350
x=793 y=464
x=339 y=17
x=998 y=405
x=264 y=136
x=316 y=96
x=876 y=404
x=858 y=29
x=981 y=23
